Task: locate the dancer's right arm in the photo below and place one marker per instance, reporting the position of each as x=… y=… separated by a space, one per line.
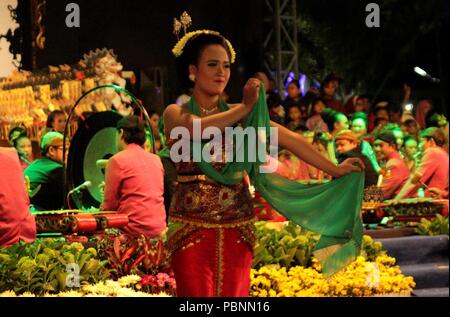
x=176 y=116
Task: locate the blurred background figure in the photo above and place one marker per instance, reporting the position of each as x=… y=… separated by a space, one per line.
x=56 y=121
x=432 y=171
x=18 y=138
x=295 y=118
x=293 y=94
x=424 y=106
x=274 y=103
x=411 y=128
x=315 y=121
x=22 y=144
x=410 y=153
x=359 y=128
x=336 y=121
x=328 y=92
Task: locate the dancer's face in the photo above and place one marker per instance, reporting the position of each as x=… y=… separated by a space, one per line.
x=213 y=70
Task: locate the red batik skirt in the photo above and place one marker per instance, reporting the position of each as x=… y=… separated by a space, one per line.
x=217 y=263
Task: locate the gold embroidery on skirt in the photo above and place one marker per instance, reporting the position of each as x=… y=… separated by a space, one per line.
x=209 y=225
x=219 y=261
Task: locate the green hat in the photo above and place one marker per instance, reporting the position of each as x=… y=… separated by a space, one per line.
x=51 y=138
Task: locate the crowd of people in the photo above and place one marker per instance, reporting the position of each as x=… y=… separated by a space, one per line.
x=404 y=150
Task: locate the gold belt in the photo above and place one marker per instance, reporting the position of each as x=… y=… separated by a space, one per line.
x=193 y=178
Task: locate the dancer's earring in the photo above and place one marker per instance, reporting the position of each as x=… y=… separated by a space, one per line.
x=192 y=77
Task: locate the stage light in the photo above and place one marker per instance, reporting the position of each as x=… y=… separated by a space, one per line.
x=423 y=73
x=302 y=84
x=420 y=71
x=409 y=107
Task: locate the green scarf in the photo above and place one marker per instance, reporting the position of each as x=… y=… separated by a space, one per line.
x=331 y=209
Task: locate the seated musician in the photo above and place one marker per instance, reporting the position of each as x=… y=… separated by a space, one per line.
x=432 y=172
x=16 y=222
x=134 y=182
x=47 y=173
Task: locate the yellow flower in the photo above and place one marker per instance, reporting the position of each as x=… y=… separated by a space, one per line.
x=129 y=279
x=92 y=251
x=272 y=293
x=70 y=294
x=77 y=246
x=263 y=293
x=8 y=294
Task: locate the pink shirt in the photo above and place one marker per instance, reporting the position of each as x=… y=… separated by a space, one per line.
x=434 y=170
x=135 y=186
x=397 y=175
x=16 y=221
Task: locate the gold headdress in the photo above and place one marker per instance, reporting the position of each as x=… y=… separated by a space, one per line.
x=185 y=22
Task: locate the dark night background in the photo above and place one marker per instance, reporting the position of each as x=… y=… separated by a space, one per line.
x=332 y=37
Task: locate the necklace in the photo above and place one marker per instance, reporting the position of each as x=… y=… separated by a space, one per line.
x=208 y=111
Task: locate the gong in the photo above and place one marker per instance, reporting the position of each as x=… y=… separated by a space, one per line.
x=95 y=139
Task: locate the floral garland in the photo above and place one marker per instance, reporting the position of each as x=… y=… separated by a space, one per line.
x=178 y=48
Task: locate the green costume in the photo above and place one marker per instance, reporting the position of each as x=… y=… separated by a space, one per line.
x=331 y=209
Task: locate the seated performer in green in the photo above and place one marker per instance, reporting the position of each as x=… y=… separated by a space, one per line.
x=211 y=243
x=47 y=173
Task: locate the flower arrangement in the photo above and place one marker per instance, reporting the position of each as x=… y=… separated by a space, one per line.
x=124 y=287
x=127 y=255
x=287 y=244
x=41 y=268
x=283 y=243
x=359 y=279
x=370 y=249
x=434 y=227
x=45 y=266
x=159 y=283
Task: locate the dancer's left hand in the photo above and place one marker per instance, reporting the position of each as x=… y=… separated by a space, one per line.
x=352 y=164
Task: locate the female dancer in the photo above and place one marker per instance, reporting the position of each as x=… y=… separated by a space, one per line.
x=212 y=239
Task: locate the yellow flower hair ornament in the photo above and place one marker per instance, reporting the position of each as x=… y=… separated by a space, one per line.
x=179 y=47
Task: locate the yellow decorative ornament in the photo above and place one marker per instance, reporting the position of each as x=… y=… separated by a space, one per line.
x=179 y=47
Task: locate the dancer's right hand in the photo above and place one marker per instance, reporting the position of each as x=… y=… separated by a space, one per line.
x=251 y=93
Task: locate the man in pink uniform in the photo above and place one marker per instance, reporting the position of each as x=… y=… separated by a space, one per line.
x=396 y=173
x=433 y=167
x=134 y=182
x=16 y=222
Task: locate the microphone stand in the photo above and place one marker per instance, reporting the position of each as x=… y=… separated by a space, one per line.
x=78 y=198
